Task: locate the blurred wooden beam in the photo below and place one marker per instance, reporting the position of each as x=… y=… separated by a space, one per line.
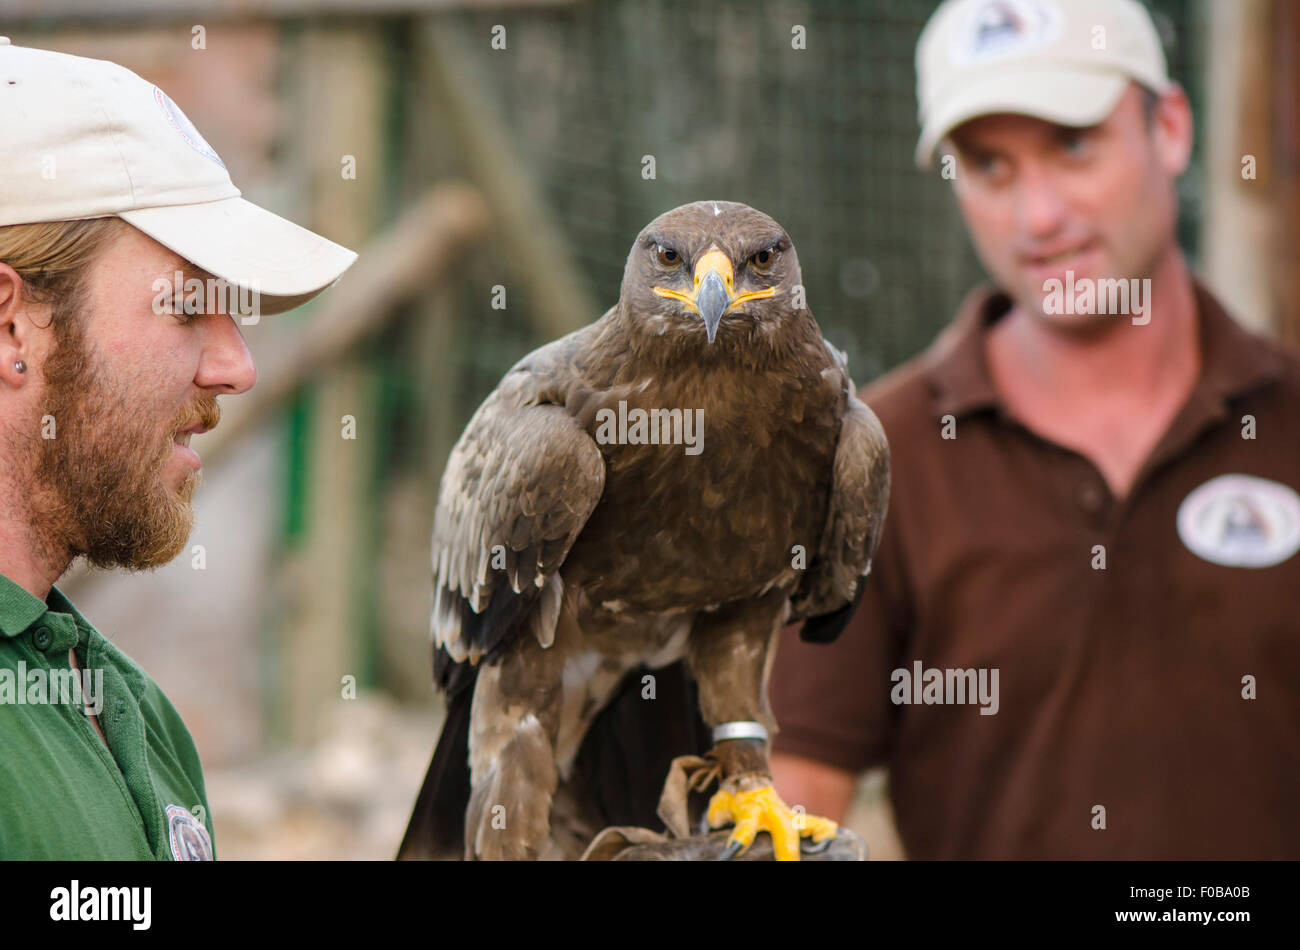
x=48 y=12
x=1239 y=221
x=536 y=249
x=334 y=106
x=408 y=501
x=1251 y=232
x=1286 y=83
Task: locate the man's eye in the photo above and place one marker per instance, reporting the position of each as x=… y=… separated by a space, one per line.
x=1074 y=142
x=183 y=314
x=986 y=165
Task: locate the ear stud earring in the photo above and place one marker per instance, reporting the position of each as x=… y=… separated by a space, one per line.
x=20 y=365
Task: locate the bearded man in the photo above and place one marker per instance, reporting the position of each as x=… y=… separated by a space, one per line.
x=119 y=226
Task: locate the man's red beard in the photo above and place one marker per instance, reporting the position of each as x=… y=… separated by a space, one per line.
x=98 y=489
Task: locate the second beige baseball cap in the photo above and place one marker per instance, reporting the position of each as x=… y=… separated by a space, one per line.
x=1066 y=61
x=86 y=138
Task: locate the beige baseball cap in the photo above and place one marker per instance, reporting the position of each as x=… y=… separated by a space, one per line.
x=85 y=138
x=1066 y=61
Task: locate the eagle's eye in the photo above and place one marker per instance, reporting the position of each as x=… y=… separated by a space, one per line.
x=667 y=256
x=762 y=261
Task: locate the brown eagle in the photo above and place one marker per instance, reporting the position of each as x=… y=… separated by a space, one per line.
x=624 y=527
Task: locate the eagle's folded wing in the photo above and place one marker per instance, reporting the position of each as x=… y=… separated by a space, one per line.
x=518 y=488
x=859 y=498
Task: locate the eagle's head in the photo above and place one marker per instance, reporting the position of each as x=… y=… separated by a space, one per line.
x=712 y=271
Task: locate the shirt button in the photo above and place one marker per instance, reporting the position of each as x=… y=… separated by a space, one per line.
x=1090 y=496
x=42 y=638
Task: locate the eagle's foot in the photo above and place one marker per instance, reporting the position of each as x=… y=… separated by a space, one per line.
x=759 y=808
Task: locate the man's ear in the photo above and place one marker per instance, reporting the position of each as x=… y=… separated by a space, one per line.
x=1172 y=129
x=15 y=329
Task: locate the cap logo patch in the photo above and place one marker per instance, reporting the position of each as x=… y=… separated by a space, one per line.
x=177 y=120
x=189 y=839
x=1000 y=28
x=1241 y=521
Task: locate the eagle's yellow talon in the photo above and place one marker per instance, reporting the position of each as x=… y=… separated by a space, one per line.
x=761 y=809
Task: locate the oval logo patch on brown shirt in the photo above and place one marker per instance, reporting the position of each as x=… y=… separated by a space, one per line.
x=1241 y=521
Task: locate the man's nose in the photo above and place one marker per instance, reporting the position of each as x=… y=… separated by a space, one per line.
x=1041 y=205
x=226 y=364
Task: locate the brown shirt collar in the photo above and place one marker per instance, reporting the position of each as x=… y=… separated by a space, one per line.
x=1233 y=360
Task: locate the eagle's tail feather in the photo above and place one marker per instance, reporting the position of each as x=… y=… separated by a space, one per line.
x=436 y=831
x=624 y=758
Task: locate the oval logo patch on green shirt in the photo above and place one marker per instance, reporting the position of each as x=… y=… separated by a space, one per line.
x=189 y=839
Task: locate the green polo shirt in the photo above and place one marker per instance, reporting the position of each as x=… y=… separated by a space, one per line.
x=63 y=793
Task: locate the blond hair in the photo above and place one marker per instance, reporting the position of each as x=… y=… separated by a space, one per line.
x=53 y=257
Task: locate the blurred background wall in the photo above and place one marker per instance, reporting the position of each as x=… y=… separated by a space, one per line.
x=400 y=128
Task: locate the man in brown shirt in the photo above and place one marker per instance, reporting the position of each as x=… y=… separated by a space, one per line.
x=1081 y=635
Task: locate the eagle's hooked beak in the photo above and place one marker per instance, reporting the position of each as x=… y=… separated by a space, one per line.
x=714 y=293
x=713 y=278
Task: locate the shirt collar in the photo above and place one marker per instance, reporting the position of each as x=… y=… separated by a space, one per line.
x=1233 y=360
x=59 y=603
x=957 y=369
x=19 y=608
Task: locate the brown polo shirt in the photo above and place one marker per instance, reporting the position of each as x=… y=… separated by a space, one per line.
x=1123 y=687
